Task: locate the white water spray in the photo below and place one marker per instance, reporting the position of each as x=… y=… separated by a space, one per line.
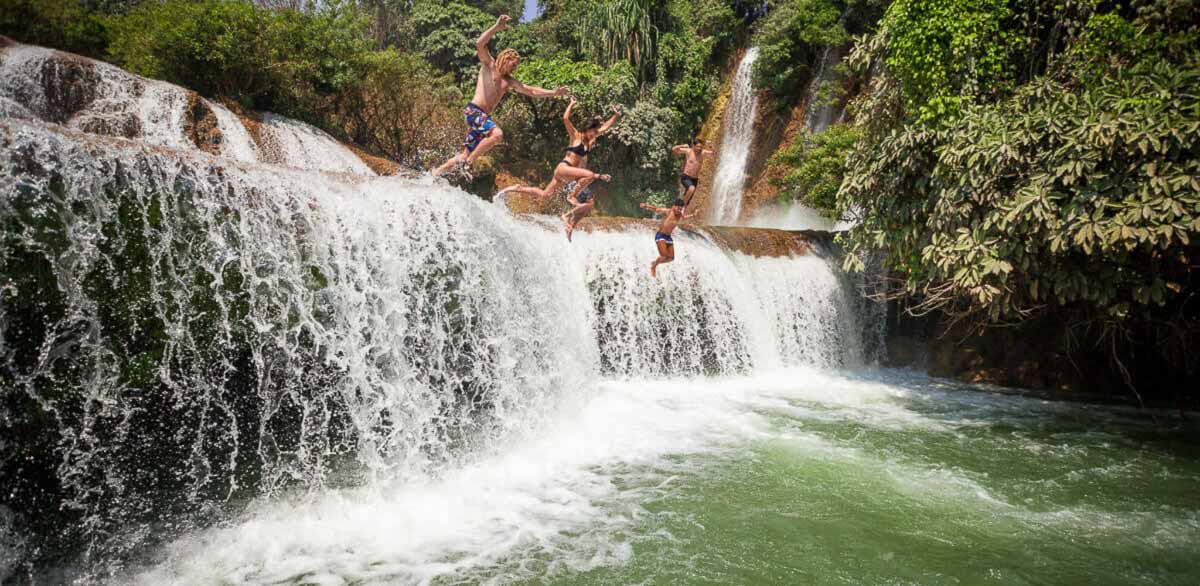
x=250 y=330
x=737 y=138
x=99 y=98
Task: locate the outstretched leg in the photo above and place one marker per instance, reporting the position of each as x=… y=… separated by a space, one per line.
x=493 y=138
x=666 y=254
x=452 y=161
x=573 y=199
x=541 y=193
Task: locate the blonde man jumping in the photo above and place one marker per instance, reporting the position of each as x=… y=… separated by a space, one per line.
x=491 y=85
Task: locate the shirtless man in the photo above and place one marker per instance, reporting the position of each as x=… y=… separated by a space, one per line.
x=663 y=239
x=689 y=176
x=491 y=85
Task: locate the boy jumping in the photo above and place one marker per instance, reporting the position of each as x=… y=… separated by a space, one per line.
x=689 y=176
x=663 y=239
x=491 y=85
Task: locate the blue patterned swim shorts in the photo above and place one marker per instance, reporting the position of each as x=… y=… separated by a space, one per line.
x=479 y=125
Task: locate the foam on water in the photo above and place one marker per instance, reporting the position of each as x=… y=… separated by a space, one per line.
x=236 y=142
x=570 y=497
x=296 y=144
x=527 y=497
x=388 y=327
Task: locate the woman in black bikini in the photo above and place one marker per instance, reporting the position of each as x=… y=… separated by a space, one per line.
x=573 y=167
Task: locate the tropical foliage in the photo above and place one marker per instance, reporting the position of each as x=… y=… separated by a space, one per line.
x=817 y=165
x=793 y=35
x=1017 y=162
x=392 y=76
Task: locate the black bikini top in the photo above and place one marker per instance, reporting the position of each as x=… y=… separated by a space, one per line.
x=579 y=149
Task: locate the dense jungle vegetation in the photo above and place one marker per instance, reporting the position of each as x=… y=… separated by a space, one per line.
x=1017 y=160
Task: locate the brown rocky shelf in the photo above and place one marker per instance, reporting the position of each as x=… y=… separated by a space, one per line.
x=757 y=242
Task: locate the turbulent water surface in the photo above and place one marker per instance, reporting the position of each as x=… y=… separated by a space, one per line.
x=793 y=477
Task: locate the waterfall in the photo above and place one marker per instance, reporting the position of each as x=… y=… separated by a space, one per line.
x=98 y=98
x=236 y=143
x=223 y=329
x=296 y=144
x=821 y=111
x=183 y=331
x=737 y=137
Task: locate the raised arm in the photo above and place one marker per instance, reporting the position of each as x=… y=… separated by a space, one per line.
x=679 y=149
x=657 y=210
x=571 y=131
x=708 y=153
x=481 y=44
x=537 y=92
x=604 y=128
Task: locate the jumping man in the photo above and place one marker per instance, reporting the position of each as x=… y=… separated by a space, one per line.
x=491 y=85
x=689 y=176
x=663 y=239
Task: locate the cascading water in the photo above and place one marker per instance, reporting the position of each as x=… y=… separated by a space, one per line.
x=737 y=137
x=247 y=329
x=296 y=144
x=821 y=111
x=98 y=98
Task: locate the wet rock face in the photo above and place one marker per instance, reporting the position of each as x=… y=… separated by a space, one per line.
x=757 y=242
x=202 y=126
x=69 y=86
x=1038 y=355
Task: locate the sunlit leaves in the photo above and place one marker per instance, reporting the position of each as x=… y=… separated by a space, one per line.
x=1079 y=189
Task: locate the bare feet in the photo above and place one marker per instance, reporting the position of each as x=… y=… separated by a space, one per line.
x=654 y=269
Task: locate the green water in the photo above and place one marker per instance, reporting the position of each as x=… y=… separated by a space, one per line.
x=968 y=490
x=796 y=477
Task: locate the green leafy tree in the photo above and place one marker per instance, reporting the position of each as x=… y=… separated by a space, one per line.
x=283 y=61
x=817 y=166
x=65 y=24
x=946 y=53
x=416 y=123
x=789 y=41
x=622 y=30
x=1067 y=184
x=684 y=82
x=446 y=34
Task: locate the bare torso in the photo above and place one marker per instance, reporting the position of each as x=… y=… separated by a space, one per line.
x=488 y=91
x=669 y=222
x=691 y=163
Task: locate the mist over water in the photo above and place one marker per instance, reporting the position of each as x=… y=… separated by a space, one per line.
x=795 y=475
